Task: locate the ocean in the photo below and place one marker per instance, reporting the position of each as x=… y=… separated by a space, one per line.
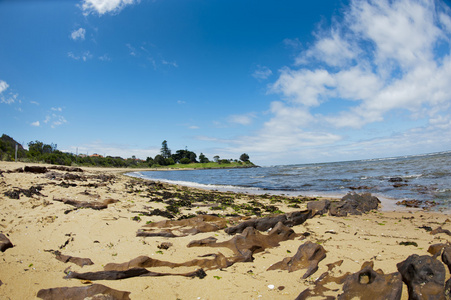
x=426 y=178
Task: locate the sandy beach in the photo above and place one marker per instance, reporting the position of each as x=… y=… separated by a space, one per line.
x=48 y=219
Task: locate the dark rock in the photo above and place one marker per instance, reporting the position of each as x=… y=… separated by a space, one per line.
x=307 y=257
x=96 y=291
x=354 y=204
x=318 y=207
x=70 y=176
x=370 y=284
x=424 y=277
x=436 y=249
x=395 y=179
x=264 y=224
x=35 y=169
x=5 y=243
x=446 y=256
x=67 y=169
x=250 y=241
x=134 y=272
x=165 y=246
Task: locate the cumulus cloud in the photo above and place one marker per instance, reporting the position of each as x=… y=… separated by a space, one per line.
x=384 y=60
x=78 y=34
x=105 y=6
x=36 y=124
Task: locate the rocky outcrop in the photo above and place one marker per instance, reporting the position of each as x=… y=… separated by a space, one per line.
x=264 y=224
x=424 y=277
x=370 y=284
x=354 y=204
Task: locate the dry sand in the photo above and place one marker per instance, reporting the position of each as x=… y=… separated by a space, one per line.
x=38 y=223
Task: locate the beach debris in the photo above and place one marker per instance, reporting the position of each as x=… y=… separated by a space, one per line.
x=250 y=241
x=354 y=204
x=5 y=243
x=266 y=223
x=67 y=169
x=417 y=203
x=129 y=273
x=408 y=243
x=198 y=224
x=164 y=246
x=424 y=276
x=96 y=205
x=271 y=286
x=33 y=190
x=218 y=261
x=307 y=257
x=67 y=258
x=35 y=169
x=370 y=284
x=96 y=291
x=440 y=230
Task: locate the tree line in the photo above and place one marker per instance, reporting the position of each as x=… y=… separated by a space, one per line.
x=48 y=153
x=184 y=156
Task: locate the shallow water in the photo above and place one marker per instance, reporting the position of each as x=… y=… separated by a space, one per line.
x=421 y=177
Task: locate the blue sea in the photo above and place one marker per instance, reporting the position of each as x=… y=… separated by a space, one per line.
x=421 y=177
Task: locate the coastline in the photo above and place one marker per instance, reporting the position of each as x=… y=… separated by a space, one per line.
x=38 y=222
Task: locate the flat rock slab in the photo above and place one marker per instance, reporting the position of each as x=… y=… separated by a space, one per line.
x=96 y=291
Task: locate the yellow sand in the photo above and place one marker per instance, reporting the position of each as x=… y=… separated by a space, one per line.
x=39 y=223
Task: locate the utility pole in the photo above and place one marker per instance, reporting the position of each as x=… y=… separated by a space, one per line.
x=15 y=157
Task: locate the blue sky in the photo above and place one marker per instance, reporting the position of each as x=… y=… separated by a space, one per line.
x=284 y=81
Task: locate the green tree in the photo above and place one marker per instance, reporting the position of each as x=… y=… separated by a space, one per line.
x=165 y=151
x=160 y=160
x=203 y=159
x=185 y=161
x=216 y=158
x=244 y=157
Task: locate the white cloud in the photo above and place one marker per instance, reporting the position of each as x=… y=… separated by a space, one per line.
x=384 y=61
x=262 y=72
x=8 y=98
x=245 y=119
x=105 y=57
x=170 y=63
x=35 y=124
x=78 y=34
x=105 y=6
x=3 y=86
x=114 y=149
x=84 y=56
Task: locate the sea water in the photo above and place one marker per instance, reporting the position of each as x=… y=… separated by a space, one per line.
x=422 y=177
